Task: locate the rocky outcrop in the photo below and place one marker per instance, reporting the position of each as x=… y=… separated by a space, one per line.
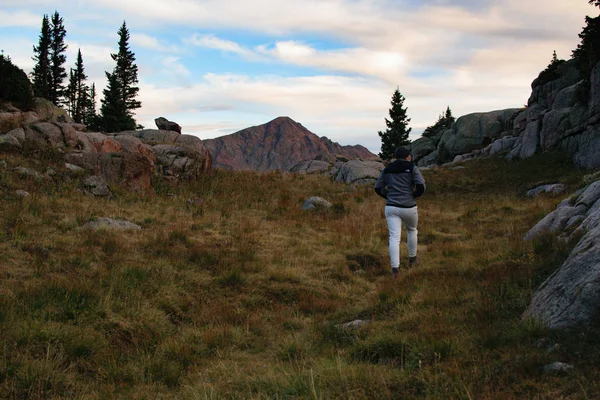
x=562 y=114
x=278 y=145
x=571 y=295
x=125 y=158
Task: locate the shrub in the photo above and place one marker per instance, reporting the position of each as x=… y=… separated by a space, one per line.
x=14 y=84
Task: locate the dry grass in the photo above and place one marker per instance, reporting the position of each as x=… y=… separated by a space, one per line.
x=239 y=295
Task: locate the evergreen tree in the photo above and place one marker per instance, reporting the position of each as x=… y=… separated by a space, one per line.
x=445 y=121
x=71 y=93
x=115 y=116
x=81 y=89
x=396 y=133
x=595 y=2
x=14 y=84
x=41 y=74
x=126 y=70
x=90 y=107
x=116 y=112
x=587 y=53
x=57 y=59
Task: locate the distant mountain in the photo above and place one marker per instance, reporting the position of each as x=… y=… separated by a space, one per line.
x=276 y=145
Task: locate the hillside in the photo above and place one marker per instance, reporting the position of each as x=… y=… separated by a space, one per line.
x=239 y=294
x=277 y=145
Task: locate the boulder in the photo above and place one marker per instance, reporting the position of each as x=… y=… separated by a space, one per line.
x=428 y=160
x=571 y=296
x=130 y=170
x=51 y=133
x=22 y=193
x=9 y=144
x=73 y=168
x=316 y=202
x=421 y=147
x=545 y=93
x=96 y=186
x=29 y=173
x=587 y=154
x=359 y=172
x=131 y=144
x=18 y=134
x=530 y=140
x=10 y=121
x=47 y=111
x=557 y=368
x=102 y=143
x=166 y=125
x=555 y=188
x=311 y=167
x=557 y=220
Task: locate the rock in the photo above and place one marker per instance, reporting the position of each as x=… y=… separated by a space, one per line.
x=195 y=202
x=556 y=221
x=557 y=368
x=357 y=323
x=131 y=144
x=22 y=193
x=166 y=125
x=10 y=121
x=588 y=152
x=18 y=134
x=553 y=349
x=590 y=195
x=111 y=224
x=571 y=296
x=591 y=220
x=554 y=127
x=73 y=168
x=543 y=342
x=554 y=188
x=311 y=167
x=530 y=140
x=359 y=172
x=130 y=170
x=69 y=133
x=181 y=162
x=316 y=202
x=9 y=144
x=96 y=186
x=102 y=143
x=153 y=137
x=421 y=147
x=428 y=160
x=567 y=97
x=51 y=133
x=29 y=173
x=47 y=111
x=545 y=94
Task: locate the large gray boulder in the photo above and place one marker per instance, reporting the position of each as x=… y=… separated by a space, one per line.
x=421 y=147
x=530 y=140
x=51 y=133
x=544 y=94
x=111 y=224
x=587 y=154
x=166 y=125
x=311 y=167
x=567 y=97
x=359 y=172
x=571 y=296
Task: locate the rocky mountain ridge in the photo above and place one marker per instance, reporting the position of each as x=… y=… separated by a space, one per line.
x=277 y=145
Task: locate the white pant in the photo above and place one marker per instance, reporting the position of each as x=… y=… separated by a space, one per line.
x=395 y=217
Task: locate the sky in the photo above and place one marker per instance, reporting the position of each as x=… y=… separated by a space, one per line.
x=219 y=66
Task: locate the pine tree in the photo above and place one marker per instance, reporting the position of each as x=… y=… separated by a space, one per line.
x=41 y=74
x=587 y=53
x=396 y=133
x=71 y=93
x=115 y=116
x=444 y=122
x=126 y=70
x=81 y=89
x=119 y=96
x=90 y=108
x=57 y=59
x=595 y=2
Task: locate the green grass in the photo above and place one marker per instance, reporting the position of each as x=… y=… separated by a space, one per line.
x=241 y=295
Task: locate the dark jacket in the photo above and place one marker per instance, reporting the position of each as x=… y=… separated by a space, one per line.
x=400 y=183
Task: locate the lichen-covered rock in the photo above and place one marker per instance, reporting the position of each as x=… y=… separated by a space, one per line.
x=166 y=125
x=359 y=172
x=316 y=202
x=109 y=223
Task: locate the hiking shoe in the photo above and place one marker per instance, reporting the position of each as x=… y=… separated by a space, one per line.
x=395 y=272
x=412 y=261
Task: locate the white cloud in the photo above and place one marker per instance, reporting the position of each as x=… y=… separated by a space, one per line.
x=152 y=43
x=19 y=18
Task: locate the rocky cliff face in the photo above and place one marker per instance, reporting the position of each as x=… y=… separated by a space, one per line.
x=276 y=145
x=562 y=114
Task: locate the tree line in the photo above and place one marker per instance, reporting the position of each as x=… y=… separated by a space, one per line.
x=586 y=56
x=49 y=74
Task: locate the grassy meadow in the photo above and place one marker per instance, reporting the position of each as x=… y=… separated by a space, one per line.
x=239 y=294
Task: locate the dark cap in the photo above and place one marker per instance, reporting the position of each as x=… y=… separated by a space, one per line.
x=401 y=152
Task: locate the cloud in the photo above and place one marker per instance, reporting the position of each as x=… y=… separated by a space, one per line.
x=22 y=18
x=152 y=43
